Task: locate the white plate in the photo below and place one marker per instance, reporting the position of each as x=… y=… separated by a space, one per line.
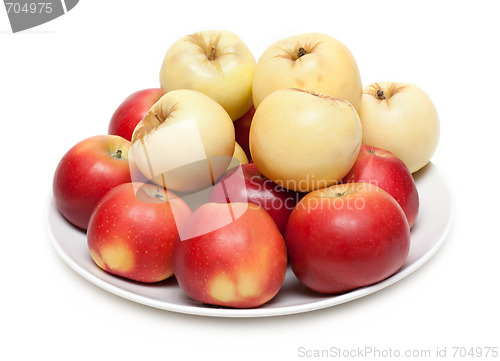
x=427 y=235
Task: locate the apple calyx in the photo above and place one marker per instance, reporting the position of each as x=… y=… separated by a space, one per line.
x=305 y=49
x=160 y=194
x=118 y=154
x=151 y=121
x=297 y=52
x=387 y=93
x=380 y=95
x=337 y=193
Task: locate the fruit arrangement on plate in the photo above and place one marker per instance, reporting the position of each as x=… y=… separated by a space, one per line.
x=235 y=170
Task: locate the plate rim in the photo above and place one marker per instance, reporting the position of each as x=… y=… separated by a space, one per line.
x=334 y=300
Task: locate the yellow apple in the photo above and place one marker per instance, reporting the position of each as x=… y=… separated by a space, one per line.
x=216 y=63
x=185 y=142
x=239 y=157
x=303 y=140
x=313 y=61
x=239 y=154
x=400 y=118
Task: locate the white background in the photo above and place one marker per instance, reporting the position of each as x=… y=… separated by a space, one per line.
x=60 y=83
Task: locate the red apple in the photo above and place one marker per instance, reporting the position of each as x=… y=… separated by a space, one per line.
x=346 y=236
x=384 y=169
x=131 y=111
x=245 y=184
x=87 y=172
x=242 y=131
x=132 y=231
x=230 y=255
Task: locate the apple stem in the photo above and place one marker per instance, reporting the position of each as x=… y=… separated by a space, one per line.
x=212 y=54
x=380 y=94
x=301 y=52
x=372 y=151
x=158 y=117
x=340 y=194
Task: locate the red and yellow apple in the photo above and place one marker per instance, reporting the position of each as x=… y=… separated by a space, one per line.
x=185 y=141
x=131 y=111
x=385 y=170
x=214 y=62
x=132 y=231
x=313 y=61
x=400 y=118
x=86 y=173
x=346 y=236
x=246 y=184
x=230 y=255
x=303 y=140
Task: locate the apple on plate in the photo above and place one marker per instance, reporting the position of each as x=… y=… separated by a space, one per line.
x=185 y=141
x=346 y=236
x=131 y=111
x=401 y=118
x=87 y=172
x=246 y=184
x=242 y=131
x=304 y=140
x=239 y=156
x=230 y=255
x=313 y=61
x=132 y=231
x=214 y=62
x=385 y=170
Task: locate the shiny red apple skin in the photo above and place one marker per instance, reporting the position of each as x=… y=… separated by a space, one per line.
x=246 y=184
x=384 y=169
x=131 y=111
x=346 y=236
x=242 y=131
x=86 y=173
x=240 y=264
x=132 y=231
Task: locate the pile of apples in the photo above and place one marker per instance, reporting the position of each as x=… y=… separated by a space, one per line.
x=235 y=170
